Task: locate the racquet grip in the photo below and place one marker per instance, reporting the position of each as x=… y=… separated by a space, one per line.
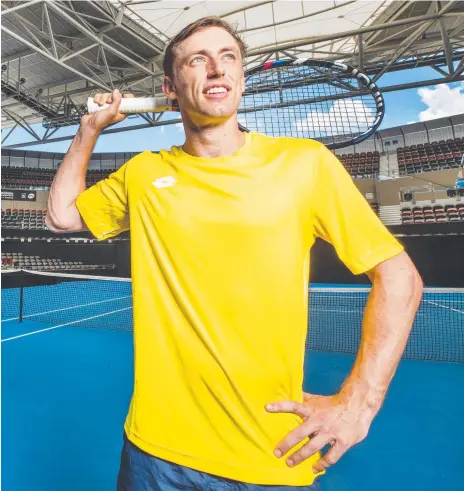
x=134 y=105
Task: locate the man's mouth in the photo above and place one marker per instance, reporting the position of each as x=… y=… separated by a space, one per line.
x=217 y=89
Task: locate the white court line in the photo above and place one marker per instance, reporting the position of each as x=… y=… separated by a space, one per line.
x=66 y=308
x=62 y=325
x=444 y=306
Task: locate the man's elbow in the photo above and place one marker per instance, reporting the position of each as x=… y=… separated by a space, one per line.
x=415 y=287
x=56 y=225
x=50 y=224
x=410 y=275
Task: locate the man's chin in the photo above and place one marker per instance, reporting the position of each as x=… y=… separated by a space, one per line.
x=209 y=115
x=216 y=117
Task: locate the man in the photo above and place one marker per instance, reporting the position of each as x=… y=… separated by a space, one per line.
x=221 y=229
x=460 y=178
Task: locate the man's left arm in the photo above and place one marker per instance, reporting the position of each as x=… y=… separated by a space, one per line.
x=388 y=318
x=342 y=217
x=343 y=420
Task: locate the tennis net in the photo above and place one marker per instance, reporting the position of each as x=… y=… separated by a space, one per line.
x=334 y=320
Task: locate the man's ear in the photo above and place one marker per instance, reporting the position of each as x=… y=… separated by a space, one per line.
x=169 y=88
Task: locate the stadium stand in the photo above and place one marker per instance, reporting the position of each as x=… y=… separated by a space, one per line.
x=365 y=165
x=24 y=219
x=426 y=157
x=33 y=178
x=433 y=213
x=408 y=151
x=413 y=159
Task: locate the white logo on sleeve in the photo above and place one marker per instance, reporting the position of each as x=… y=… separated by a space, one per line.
x=164 y=182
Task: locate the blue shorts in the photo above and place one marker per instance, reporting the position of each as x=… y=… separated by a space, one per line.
x=140 y=471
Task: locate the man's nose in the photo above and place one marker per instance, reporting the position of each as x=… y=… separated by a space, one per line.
x=215 y=70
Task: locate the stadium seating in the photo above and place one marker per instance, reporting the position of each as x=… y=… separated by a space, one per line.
x=363 y=165
x=424 y=157
x=24 y=219
x=33 y=178
x=17 y=260
x=427 y=157
x=433 y=214
x=360 y=165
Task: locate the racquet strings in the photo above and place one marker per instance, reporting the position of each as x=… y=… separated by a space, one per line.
x=307 y=102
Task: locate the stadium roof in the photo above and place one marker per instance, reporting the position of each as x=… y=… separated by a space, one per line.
x=55 y=54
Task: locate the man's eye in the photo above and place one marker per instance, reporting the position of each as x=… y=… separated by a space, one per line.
x=197 y=59
x=229 y=56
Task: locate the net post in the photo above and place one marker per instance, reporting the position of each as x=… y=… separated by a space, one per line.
x=21 y=300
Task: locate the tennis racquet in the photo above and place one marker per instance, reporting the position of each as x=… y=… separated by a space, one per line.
x=303 y=98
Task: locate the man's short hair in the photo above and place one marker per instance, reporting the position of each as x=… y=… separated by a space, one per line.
x=186 y=32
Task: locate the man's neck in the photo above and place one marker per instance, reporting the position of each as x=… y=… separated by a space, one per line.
x=213 y=141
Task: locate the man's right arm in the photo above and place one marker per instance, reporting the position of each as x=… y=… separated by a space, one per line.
x=69 y=182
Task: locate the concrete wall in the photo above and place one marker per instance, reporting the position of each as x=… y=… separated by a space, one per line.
x=439 y=260
x=388 y=192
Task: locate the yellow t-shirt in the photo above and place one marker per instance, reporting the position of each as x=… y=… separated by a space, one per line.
x=220 y=269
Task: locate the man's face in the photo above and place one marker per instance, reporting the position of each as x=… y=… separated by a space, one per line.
x=208 y=76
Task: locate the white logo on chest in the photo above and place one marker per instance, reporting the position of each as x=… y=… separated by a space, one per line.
x=164 y=182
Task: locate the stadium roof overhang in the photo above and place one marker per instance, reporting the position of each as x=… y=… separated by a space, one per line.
x=55 y=54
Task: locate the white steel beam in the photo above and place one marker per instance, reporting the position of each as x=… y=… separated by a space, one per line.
x=21 y=6
x=447 y=46
x=55 y=60
x=96 y=39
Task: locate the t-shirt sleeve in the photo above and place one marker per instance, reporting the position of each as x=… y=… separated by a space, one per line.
x=104 y=206
x=343 y=217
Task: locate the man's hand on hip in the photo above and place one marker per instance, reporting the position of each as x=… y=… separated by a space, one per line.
x=336 y=420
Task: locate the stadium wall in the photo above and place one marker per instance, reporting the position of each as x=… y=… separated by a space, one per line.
x=439 y=260
x=87 y=253
x=389 y=192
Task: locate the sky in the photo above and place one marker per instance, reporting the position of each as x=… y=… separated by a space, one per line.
x=423 y=104
x=402 y=107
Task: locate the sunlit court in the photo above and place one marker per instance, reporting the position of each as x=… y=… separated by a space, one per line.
x=274 y=206
x=67 y=379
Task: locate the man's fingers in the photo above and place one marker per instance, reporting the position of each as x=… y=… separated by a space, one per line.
x=101 y=98
x=289 y=407
x=314 y=445
x=113 y=97
x=330 y=458
x=115 y=101
x=294 y=438
x=110 y=97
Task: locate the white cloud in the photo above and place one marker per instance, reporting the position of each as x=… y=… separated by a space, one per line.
x=345 y=116
x=411 y=122
x=179 y=127
x=162 y=130
x=441 y=101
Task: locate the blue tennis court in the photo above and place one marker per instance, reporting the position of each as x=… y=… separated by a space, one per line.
x=67 y=378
